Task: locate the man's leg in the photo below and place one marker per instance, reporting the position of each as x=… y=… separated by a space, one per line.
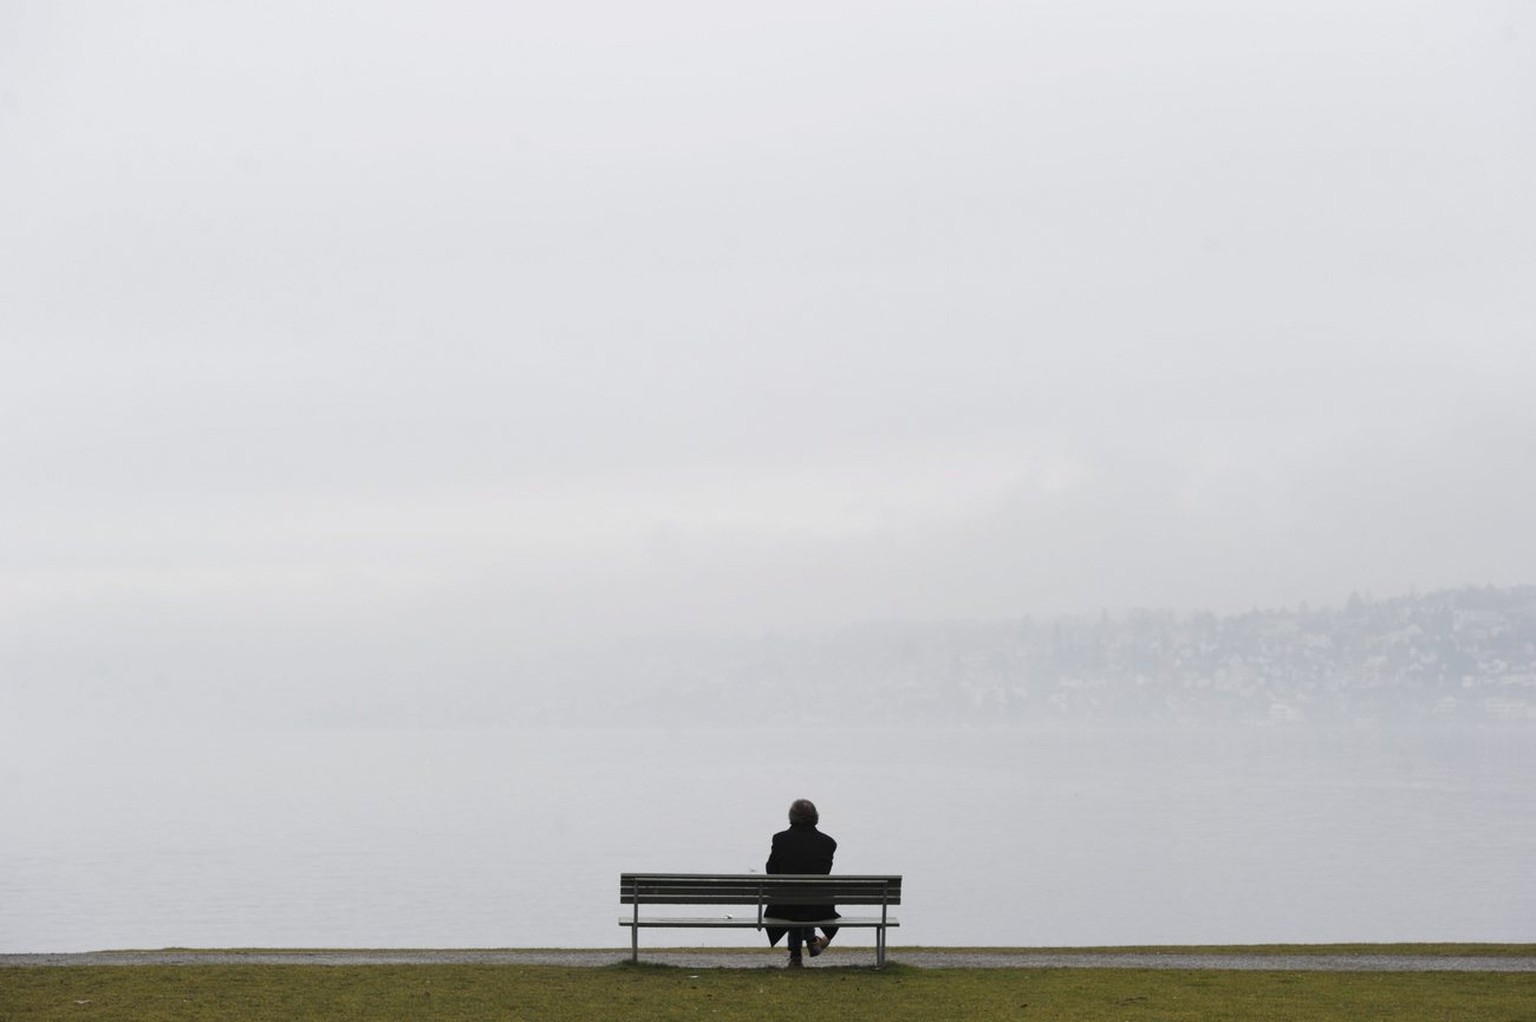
x=816 y=945
x=813 y=944
x=796 y=938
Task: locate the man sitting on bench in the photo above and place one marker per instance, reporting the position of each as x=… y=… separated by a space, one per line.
x=802 y=849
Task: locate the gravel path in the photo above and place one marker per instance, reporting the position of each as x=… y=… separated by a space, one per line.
x=712 y=959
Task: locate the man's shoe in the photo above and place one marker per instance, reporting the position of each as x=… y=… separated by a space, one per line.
x=795 y=962
x=816 y=945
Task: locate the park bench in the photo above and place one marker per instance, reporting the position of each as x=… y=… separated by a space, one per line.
x=756 y=894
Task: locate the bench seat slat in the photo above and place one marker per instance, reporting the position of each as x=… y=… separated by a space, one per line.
x=720 y=922
x=823 y=896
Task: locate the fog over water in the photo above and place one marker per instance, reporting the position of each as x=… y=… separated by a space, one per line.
x=1032 y=837
x=385 y=372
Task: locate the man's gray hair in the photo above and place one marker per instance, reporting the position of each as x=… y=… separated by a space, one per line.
x=804 y=811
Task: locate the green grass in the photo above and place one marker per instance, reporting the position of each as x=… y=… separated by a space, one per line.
x=1406 y=950
x=306 y=993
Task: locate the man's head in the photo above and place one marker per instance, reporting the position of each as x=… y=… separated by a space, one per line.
x=803 y=810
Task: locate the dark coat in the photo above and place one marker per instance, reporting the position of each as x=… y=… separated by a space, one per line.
x=800 y=849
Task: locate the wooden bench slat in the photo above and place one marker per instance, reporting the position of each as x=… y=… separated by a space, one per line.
x=682 y=889
x=857 y=922
x=797 y=896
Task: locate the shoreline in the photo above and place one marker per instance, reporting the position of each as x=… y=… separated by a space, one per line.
x=1298 y=958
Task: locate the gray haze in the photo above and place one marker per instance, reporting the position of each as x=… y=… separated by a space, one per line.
x=378 y=342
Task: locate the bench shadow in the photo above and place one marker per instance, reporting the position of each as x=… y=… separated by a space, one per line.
x=888 y=969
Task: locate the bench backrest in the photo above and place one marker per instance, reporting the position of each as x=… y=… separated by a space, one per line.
x=757 y=889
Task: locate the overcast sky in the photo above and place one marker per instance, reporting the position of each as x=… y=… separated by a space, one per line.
x=455 y=327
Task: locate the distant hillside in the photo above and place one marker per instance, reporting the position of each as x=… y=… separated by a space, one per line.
x=1466 y=654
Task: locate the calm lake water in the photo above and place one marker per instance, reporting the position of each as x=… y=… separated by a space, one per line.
x=496 y=838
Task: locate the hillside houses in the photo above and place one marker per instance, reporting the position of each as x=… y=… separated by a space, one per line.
x=1454 y=655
